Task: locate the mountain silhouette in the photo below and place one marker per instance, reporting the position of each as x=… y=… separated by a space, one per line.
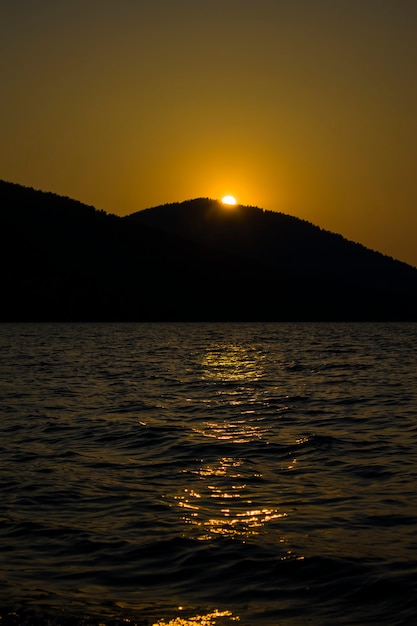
x=190 y=261
x=278 y=240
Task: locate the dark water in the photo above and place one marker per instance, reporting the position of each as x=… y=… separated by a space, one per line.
x=264 y=473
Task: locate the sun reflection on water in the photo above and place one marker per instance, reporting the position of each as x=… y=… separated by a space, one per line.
x=222 y=504
x=221 y=496
x=232 y=362
x=233 y=430
x=209 y=619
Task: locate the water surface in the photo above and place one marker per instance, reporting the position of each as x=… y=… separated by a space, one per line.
x=260 y=472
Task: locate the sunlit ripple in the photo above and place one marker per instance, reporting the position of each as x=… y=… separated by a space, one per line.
x=218 y=501
x=234 y=431
x=232 y=362
x=221 y=504
x=209 y=619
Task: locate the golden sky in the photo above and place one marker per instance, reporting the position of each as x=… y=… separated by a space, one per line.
x=303 y=106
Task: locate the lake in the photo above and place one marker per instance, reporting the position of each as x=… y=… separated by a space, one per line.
x=200 y=474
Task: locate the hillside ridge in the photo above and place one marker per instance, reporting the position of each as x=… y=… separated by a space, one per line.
x=278 y=239
x=187 y=261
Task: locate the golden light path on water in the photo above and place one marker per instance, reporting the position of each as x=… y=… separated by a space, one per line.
x=221 y=497
x=218 y=500
x=209 y=619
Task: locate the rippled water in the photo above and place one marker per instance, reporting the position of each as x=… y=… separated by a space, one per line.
x=209 y=473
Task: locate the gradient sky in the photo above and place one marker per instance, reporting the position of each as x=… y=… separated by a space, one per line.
x=303 y=106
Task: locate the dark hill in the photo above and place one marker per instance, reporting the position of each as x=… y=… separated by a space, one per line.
x=65 y=261
x=278 y=240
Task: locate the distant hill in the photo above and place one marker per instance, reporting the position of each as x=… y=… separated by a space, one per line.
x=190 y=261
x=281 y=241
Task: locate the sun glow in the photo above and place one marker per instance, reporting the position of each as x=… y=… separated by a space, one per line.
x=230 y=200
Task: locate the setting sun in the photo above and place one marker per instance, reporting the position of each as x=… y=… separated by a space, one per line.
x=229 y=200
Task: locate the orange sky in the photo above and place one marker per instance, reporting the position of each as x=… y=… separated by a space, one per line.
x=301 y=106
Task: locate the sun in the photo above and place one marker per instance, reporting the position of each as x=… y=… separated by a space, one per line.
x=230 y=200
